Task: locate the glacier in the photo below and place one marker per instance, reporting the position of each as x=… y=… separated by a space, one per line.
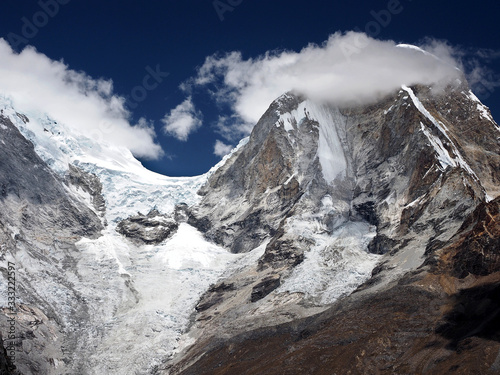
x=142 y=297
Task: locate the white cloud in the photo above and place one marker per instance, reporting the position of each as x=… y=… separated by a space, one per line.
x=221 y=149
x=232 y=128
x=348 y=68
x=482 y=79
x=35 y=82
x=182 y=120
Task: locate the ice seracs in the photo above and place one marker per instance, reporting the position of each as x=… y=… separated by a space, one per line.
x=142 y=297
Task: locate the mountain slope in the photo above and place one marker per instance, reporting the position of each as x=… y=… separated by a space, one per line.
x=326 y=186
x=324 y=220
x=432 y=321
x=40 y=221
x=85 y=293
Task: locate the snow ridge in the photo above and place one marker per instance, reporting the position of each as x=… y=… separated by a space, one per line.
x=438 y=146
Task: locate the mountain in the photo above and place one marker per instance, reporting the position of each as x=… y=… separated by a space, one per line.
x=355 y=239
x=439 y=318
x=349 y=203
x=80 y=284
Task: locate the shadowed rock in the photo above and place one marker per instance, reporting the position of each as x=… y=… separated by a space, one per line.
x=265 y=287
x=153 y=228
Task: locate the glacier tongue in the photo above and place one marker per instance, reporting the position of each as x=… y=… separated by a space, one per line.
x=144 y=298
x=140 y=297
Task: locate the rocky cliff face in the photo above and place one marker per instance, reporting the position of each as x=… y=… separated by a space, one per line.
x=89 y=184
x=434 y=320
x=40 y=222
x=400 y=176
x=383 y=163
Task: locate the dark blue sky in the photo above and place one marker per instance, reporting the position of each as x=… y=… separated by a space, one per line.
x=119 y=39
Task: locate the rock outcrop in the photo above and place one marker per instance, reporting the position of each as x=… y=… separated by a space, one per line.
x=153 y=228
x=90 y=184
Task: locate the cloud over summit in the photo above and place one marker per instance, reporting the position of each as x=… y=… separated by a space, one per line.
x=35 y=82
x=348 y=68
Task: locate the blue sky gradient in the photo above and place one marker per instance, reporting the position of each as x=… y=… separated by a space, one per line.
x=126 y=41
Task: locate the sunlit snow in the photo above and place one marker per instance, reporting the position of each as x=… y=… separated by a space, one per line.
x=141 y=297
x=336 y=264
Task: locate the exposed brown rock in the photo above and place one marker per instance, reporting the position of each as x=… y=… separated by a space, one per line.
x=265 y=287
x=476 y=249
x=427 y=323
